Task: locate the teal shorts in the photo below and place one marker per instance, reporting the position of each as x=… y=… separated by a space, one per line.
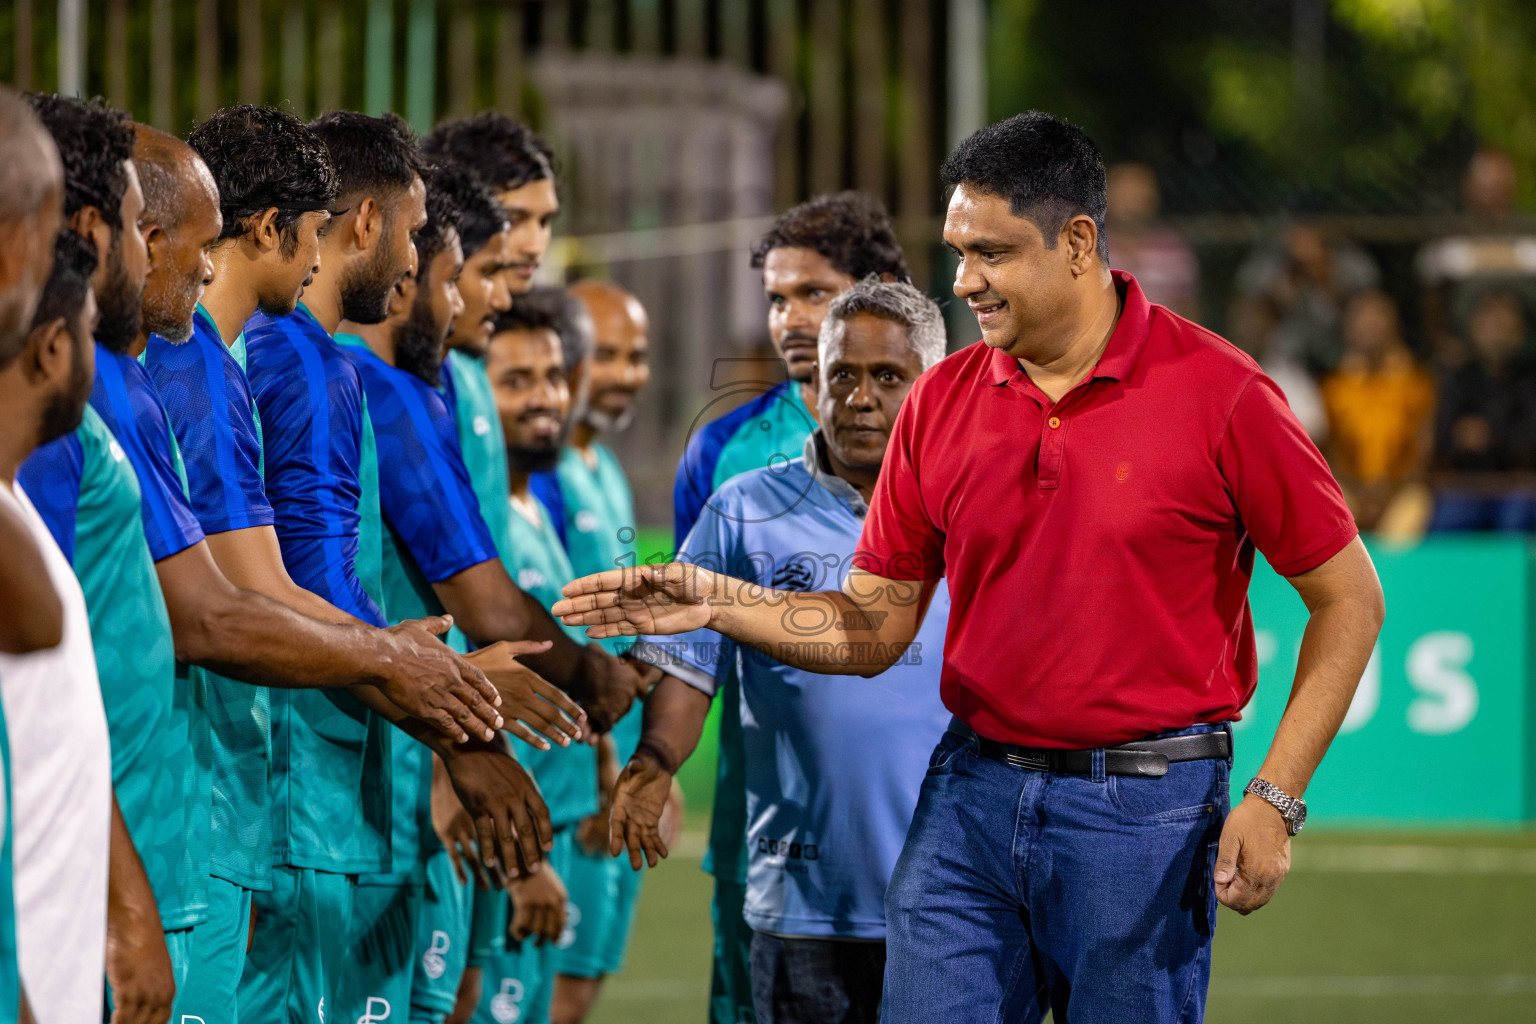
x=487 y=926
x=298 y=946
x=603 y=891
x=519 y=978
x=730 y=986
x=442 y=938
x=216 y=958
x=381 y=958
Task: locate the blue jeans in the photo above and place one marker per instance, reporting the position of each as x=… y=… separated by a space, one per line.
x=1020 y=891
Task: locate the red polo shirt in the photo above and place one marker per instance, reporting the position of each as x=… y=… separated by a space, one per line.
x=1098 y=549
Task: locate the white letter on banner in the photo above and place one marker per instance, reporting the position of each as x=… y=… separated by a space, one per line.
x=1437 y=669
x=1367 y=695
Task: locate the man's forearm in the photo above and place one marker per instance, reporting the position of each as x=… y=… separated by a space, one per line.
x=825 y=631
x=130 y=898
x=1346 y=615
x=672 y=722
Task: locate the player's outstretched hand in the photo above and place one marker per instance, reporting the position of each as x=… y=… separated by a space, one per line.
x=428 y=681
x=532 y=704
x=1253 y=856
x=511 y=820
x=456 y=829
x=538 y=907
x=639 y=599
x=642 y=794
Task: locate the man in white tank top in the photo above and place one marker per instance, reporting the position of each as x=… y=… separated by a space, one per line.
x=61 y=777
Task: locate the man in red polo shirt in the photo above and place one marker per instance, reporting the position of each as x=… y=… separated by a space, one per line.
x=1093 y=479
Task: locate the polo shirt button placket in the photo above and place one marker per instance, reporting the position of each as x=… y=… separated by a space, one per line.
x=1053 y=442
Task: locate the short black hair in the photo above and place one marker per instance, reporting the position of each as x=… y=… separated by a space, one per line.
x=500 y=152
x=95 y=141
x=442 y=217
x=1047 y=169
x=369 y=153
x=538 y=309
x=547 y=307
x=851 y=229
x=480 y=214
x=262 y=157
x=65 y=291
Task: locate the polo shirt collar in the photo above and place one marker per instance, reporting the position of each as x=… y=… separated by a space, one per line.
x=1125 y=344
x=821 y=471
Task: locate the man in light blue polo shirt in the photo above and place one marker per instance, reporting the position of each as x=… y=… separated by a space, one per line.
x=832 y=770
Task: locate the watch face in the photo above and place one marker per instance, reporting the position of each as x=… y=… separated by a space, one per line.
x=1300 y=817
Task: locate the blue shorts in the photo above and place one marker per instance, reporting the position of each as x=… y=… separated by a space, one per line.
x=381 y=960
x=215 y=958
x=603 y=891
x=298 y=945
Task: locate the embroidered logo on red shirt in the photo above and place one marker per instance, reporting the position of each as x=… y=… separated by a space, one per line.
x=1122 y=471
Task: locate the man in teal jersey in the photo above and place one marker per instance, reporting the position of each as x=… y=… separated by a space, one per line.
x=599 y=530
x=533 y=398
x=809 y=256
x=441 y=554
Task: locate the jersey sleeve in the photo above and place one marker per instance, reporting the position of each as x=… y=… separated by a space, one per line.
x=1285 y=495
x=208 y=402
x=140 y=424
x=424 y=487
x=900 y=539
x=51 y=478
x=703 y=658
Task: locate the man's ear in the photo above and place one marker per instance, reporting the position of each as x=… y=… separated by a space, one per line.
x=265 y=234
x=1082 y=238
x=48 y=352
x=367 y=224
x=402 y=297
x=158 y=242
x=88 y=223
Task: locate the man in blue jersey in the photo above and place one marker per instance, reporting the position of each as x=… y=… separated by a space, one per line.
x=832 y=771
x=811 y=254
x=279 y=184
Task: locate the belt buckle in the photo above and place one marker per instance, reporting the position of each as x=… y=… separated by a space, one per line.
x=1027 y=761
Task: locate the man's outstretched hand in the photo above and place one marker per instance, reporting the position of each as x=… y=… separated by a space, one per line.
x=639 y=799
x=642 y=599
x=533 y=704
x=511 y=820
x=1253 y=857
x=428 y=681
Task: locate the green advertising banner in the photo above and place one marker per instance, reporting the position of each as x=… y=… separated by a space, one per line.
x=1441 y=728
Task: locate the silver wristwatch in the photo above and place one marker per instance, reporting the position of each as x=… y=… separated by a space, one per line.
x=1292 y=808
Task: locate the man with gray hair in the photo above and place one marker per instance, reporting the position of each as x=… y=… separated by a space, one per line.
x=832 y=770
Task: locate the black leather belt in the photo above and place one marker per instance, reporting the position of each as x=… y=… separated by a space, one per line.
x=1147 y=758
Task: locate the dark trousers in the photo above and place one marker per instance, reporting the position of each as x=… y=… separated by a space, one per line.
x=1020 y=891
x=816 y=981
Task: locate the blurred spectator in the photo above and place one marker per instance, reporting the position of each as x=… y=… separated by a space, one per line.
x=1251 y=325
x=1487 y=421
x=1492 y=253
x=1157 y=255
x=1308 y=276
x=1380 y=412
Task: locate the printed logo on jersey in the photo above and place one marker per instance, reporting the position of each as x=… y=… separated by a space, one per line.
x=118 y=455
x=572 y=922
x=187 y=1018
x=432 y=961
x=586 y=521
x=320 y=1009
x=785 y=848
x=378 y=1007
x=506 y=1005
x=793 y=575
x=530 y=578
x=482 y=426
